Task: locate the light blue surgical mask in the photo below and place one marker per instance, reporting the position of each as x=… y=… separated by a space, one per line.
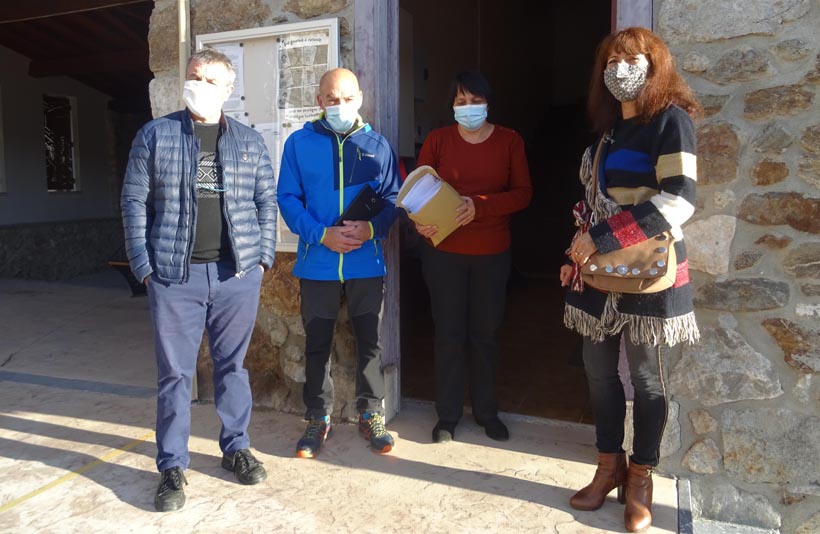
x=471 y=116
x=341 y=118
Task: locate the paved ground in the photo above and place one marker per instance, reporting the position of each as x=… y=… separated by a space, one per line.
x=77 y=449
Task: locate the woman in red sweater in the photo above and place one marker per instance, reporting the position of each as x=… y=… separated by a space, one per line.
x=467 y=273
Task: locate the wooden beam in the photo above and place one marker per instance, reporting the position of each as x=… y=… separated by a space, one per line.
x=38 y=9
x=96 y=63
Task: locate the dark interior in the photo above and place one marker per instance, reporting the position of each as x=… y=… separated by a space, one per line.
x=537 y=57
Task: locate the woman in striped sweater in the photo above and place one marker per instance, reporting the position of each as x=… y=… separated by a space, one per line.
x=642 y=108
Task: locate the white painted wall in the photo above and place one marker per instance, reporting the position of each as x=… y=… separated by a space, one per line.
x=25 y=198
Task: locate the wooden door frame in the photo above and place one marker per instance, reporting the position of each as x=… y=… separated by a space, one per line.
x=626 y=13
x=376 y=44
x=376 y=57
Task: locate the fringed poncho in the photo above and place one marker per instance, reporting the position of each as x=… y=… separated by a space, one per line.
x=646 y=185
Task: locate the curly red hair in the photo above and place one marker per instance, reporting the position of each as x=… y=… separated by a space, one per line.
x=664 y=86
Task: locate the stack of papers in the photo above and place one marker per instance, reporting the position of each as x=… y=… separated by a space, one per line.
x=421 y=192
x=429 y=200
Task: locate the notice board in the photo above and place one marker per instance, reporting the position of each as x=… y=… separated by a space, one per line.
x=277 y=80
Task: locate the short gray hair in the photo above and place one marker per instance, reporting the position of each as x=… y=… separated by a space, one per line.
x=208 y=56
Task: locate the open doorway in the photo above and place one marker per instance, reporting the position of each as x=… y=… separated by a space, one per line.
x=537 y=57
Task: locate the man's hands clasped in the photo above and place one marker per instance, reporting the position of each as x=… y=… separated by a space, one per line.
x=348 y=237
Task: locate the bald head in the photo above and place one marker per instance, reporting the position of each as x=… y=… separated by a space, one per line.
x=338 y=76
x=339 y=87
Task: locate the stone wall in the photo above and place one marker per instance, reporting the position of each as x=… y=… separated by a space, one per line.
x=58 y=250
x=275 y=358
x=748 y=394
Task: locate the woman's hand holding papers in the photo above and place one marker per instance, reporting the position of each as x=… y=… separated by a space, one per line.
x=426 y=230
x=466 y=212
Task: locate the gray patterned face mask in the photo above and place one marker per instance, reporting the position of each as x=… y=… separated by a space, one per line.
x=625 y=81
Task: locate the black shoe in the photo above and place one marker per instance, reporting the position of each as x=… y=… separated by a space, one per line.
x=371 y=426
x=316 y=433
x=444 y=432
x=170 y=496
x=495 y=429
x=248 y=470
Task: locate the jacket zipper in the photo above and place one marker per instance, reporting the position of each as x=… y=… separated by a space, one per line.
x=192 y=211
x=239 y=273
x=341 y=195
x=340 y=144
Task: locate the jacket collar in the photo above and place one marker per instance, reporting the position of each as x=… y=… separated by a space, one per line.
x=321 y=126
x=188 y=122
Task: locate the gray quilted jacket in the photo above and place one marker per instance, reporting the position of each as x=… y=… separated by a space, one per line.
x=159 y=197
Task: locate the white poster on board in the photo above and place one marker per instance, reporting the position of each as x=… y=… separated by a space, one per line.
x=302 y=58
x=236 y=102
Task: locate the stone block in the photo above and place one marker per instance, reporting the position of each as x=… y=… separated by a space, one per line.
x=726 y=503
x=308 y=9
x=768 y=172
x=785 y=100
x=702 y=422
x=791 y=49
x=774 y=242
x=804 y=261
x=758 y=451
x=782 y=208
x=703 y=457
x=718 y=150
x=740 y=65
x=743 y=295
x=747 y=259
x=708 y=243
x=773 y=139
x=694 y=21
x=723 y=368
x=800 y=344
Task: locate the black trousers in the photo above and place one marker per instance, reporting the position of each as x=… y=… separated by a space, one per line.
x=467 y=297
x=320 y=306
x=606 y=392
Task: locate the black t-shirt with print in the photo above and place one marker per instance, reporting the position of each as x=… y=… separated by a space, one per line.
x=211 y=242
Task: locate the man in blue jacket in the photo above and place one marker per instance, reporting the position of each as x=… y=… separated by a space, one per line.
x=324 y=166
x=199 y=213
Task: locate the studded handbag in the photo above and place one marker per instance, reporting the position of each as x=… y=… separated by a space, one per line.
x=646 y=267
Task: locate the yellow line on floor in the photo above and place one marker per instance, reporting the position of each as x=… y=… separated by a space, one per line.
x=77 y=472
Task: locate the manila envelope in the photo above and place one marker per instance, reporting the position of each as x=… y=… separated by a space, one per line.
x=440 y=210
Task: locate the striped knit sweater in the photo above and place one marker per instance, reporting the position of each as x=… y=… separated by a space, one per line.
x=646 y=186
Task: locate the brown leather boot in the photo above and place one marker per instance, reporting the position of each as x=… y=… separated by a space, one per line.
x=638 y=511
x=611 y=474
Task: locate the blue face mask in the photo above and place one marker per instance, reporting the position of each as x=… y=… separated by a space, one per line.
x=470 y=117
x=341 y=118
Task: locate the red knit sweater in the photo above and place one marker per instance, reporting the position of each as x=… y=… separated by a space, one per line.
x=493 y=173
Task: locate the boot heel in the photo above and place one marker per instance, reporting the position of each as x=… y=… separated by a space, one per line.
x=622 y=494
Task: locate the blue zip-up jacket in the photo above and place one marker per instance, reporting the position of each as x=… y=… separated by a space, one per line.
x=321 y=172
x=159 y=197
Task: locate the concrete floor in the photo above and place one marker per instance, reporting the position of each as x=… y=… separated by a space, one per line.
x=77 y=449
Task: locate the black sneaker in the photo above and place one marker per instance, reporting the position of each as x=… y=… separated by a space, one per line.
x=444 y=431
x=170 y=496
x=316 y=433
x=495 y=429
x=248 y=470
x=371 y=426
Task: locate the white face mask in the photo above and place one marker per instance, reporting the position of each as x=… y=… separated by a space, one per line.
x=203 y=99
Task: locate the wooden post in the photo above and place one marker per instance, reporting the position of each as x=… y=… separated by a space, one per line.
x=376 y=31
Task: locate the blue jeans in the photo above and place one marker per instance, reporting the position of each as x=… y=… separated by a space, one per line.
x=216 y=301
x=606 y=392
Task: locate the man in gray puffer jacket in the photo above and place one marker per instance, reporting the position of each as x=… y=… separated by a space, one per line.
x=199 y=213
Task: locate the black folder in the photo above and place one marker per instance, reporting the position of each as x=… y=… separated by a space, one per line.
x=364 y=206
